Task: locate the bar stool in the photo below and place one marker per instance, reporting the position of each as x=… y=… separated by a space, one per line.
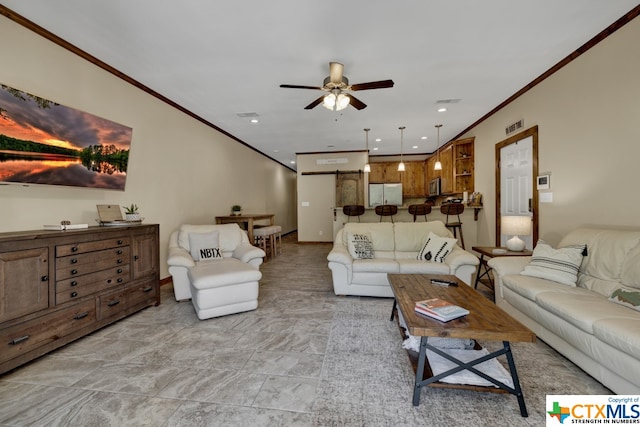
x=265 y=238
x=454 y=209
x=353 y=210
x=386 y=210
x=416 y=210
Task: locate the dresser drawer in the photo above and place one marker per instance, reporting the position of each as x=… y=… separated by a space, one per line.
x=24 y=337
x=90 y=283
x=82 y=247
x=101 y=260
x=71 y=261
x=115 y=302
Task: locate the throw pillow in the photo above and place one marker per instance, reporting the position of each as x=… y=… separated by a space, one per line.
x=205 y=246
x=559 y=265
x=436 y=248
x=360 y=245
x=626 y=297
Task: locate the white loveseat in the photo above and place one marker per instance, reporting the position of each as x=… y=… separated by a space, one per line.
x=396 y=247
x=225 y=285
x=598 y=335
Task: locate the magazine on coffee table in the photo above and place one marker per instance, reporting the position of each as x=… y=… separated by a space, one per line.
x=440 y=309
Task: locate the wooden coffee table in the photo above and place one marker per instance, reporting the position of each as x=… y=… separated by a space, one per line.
x=486 y=321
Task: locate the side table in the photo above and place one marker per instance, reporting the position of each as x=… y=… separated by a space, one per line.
x=488 y=252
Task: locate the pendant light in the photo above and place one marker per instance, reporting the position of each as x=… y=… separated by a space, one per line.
x=401 y=165
x=367 y=167
x=438 y=165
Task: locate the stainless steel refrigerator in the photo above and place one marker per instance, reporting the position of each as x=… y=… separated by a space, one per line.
x=385 y=194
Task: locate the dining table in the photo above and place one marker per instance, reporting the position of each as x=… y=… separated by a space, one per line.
x=248 y=220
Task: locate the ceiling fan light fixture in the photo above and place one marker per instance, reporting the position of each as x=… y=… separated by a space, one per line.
x=342 y=102
x=329 y=101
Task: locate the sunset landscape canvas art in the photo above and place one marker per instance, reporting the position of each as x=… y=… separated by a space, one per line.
x=42 y=142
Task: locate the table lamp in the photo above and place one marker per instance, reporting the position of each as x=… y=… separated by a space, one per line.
x=515 y=226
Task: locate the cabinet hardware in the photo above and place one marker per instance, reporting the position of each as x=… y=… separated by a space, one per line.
x=136 y=257
x=74 y=283
x=81 y=315
x=44 y=278
x=119 y=261
x=113 y=303
x=120 y=279
x=147 y=289
x=74 y=294
x=108 y=280
x=74 y=261
x=74 y=271
x=119 y=252
x=119 y=270
x=74 y=249
x=119 y=242
x=19 y=340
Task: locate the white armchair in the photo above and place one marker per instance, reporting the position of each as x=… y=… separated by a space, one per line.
x=225 y=284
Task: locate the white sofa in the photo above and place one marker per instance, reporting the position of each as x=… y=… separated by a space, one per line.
x=598 y=335
x=216 y=287
x=396 y=247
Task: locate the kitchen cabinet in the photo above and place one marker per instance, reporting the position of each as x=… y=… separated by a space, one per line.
x=413 y=179
x=58 y=286
x=384 y=173
x=463 y=165
x=446 y=158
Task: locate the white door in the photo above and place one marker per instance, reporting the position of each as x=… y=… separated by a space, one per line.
x=516 y=183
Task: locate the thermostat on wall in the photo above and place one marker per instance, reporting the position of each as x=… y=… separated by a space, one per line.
x=543 y=182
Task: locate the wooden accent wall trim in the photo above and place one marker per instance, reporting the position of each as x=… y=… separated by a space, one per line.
x=633 y=13
x=19 y=19
x=166 y=281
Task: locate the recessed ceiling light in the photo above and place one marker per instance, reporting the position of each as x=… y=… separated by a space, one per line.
x=378 y=139
x=293 y=162
x=255 y=121
x=424 y=137
x=441 y=110
x=414 y=147
x=276 y=151
x=375 y=148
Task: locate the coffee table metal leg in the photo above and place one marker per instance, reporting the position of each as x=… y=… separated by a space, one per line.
x=422 y=358
x=393 y=309
x=516 y=380
x=478 y=275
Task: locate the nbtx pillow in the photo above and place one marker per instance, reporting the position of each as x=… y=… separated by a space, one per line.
x=204 y=246
x=559 y=265
x=360 y=245
x=436 y=248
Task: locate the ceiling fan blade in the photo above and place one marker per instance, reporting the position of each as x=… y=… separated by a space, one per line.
x=372 y=85
x=301 y=87
x=355 y=102
x=314 y=103
x=335 y=72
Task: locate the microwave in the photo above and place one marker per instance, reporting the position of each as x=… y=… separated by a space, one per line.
x=434 y=187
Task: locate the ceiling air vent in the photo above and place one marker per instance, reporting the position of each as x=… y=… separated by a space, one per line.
x=514 y=126
x=448 y=101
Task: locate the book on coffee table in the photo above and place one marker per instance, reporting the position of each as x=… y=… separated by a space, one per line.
x=440 y=309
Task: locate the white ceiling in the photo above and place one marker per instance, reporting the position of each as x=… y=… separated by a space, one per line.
x=221 y=58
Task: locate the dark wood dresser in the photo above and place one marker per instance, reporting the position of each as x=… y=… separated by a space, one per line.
x=58 y=286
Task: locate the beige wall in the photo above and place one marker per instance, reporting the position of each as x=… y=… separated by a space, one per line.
x=588 y=117
x=317 y=193
x=180 y=170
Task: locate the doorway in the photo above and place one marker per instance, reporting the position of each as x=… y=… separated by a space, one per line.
x=516 y=167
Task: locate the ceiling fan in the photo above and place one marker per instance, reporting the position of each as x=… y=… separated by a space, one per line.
x=337 y=84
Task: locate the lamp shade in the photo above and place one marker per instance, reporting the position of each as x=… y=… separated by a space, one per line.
x=515 y=226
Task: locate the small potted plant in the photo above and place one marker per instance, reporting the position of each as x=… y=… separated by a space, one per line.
x=131 y=212
x=236 y=210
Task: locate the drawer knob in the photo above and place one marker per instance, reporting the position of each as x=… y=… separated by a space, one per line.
x=120 y=242
x=119 y=252
x=74 y=249
x=119 y=270
x=74 y=294
x=74 y=261
x=120 y=279
x=74 y=271
x=81 y=315
x=44 y=278
x=136 y=257
x=113 y=302
x=19 y=340
x=119 y=261
x=74 y=283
